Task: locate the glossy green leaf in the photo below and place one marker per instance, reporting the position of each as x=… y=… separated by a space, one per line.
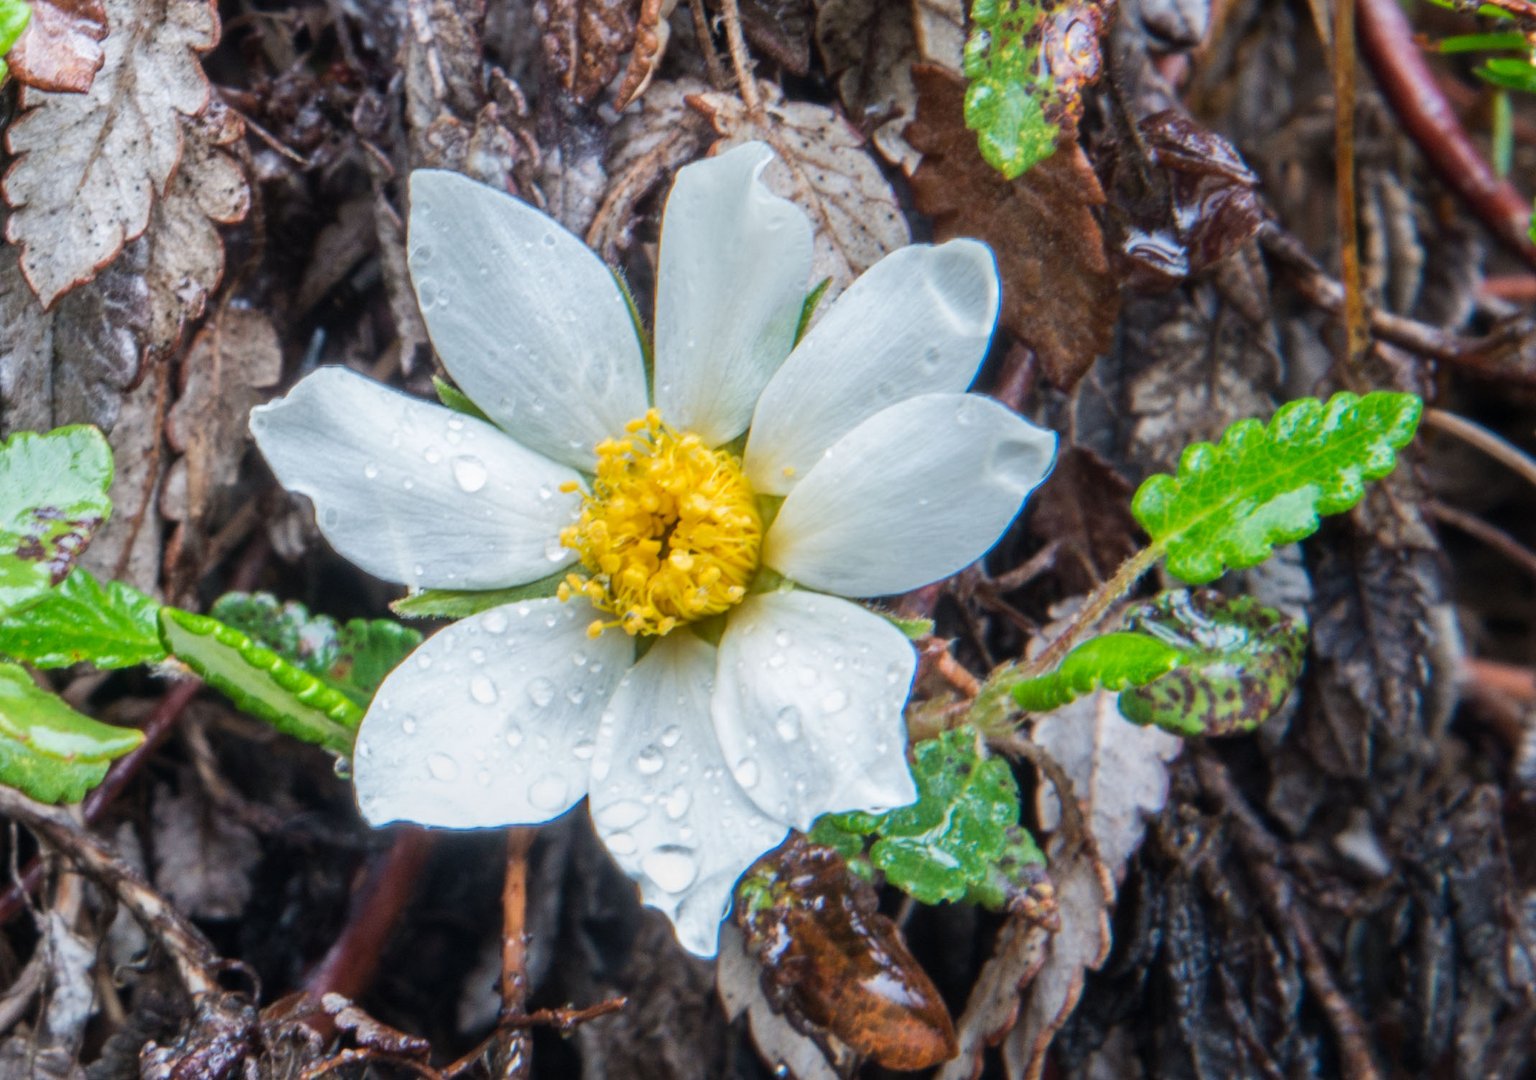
x=48 y=750
x=110 y=625
x=261 y=682
x=53 y=497
x=456 y=399
x=1512 y=73
x=1110 y=662
x=961 y=840
x=460 y=604
x=1232 y=502
x=1495 y=42
x=1006 y=90
x=1240 y=661
x=352 y=658
x=14 y=16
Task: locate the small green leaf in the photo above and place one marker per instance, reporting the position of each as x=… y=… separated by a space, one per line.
x=14 y=16
x=1231 y=503
x=352 y=658
x=261 y=682
x=1007 y=90
x=961 y=840
x=913 y=628
x=1495 y=42
x=1241 y=660
x=1110 y=662
x=1512 y=73
x=808 y=309
x=48 y=750
x=456 y=399
x=460 y=604
x=110 y=625
x=53 y=497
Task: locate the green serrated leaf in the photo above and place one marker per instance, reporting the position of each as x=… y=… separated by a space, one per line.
x=460 y=604
x=1240 y=661
x=48 y=750
x=53 y=497
x=110 y=625
x=1006 y=91
x=1110 y=662
x=456 y=399
x=960 y=840
x=352 y=658
x=1231 y=503
x=261 y=682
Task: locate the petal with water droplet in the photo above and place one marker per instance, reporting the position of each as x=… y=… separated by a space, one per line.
x=734 y=264
x=358 y=449
x=433 y=726
x=541 y=340
x=832 y=741
x=685 y=838
x=911 y=495
x=917 y=322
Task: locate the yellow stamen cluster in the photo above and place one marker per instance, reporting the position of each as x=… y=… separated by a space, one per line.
x=670 y=533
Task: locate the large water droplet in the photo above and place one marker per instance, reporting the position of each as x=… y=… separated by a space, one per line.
x=787 y=723
x=494 y=622
x=442 y=767
x=834 y=701
x=408 y=725
x=622 y=815
x=483 y=690
x=746 y=773
x=541 y=692
x=622 y=844
x=584 y=750
x=677 y=801
x=371 y=471
x=575 y=695
x=548 y=793
x=648 y=761
x=672 y=868
x=514 y=736
x=469 y=473
x=670 y=735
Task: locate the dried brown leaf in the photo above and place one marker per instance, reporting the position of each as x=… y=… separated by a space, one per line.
x=993 y=1005
x=940 y=32
x=203 y=856
x=821 y=166
x=738 y=980
x=779 y=30
x=26 y=352
x=652 y=32
x=60 y=49
x=442 y=64
x=90 y=166
x=869 y=48
x=1059 y=296
x=585 y=41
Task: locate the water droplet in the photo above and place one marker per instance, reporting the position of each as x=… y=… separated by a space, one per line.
x=787 y=723
x=575 y=695
x=432 y=454
x=408 y=725
x=932 y=357
x=965 y=415
x=549 y=240
x=548 y=793
x=670 y=735
x=834 y=701
x=677 y=801
x=423 y=661
x=483 y=690
x=672 y=868
x=418 y=569
x=483 y=778
x=622 y=815
x=477 y=656
x=776 y=661
x=622 y=844
x=469 y=473
x=648 y=761
x=408 y=484
x=782 y=639
x=541 y=692
x=553 y=551
x=342 y=767
x=584 y=750
x=579 y=659
x=546 y=493
x=371 y=471
x=442 y=767
x=514 y=736
x=494 y=622
x=894 y=673
x=746 y=773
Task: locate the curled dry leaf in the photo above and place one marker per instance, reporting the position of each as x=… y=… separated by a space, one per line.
x=1059 y=296
x=738 y=980
x=89 y=166
x=652 y=32
x=60 y=50
x=822 y=166
x=585 y=41
x=869 y=47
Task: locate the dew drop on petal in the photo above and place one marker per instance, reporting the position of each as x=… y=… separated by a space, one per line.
x=442 y=767
x=469 y=473
x=541 y=692
x=672 y=868
x=548 y=793
x=483 y=778
x=514 y=736
x=677 y=801
x=483 y=690
x=670 y=735
x=782 y=639
x=371 y=471
x=649 y=761
x=408 y=725
x=584 y=750
x=746 y=773
x=622 y=844
x=622 y=815
x=494 y=622
x=553 y=551
x=834 y=701
x=787 y=723
x=776 y=661
x=575 y=695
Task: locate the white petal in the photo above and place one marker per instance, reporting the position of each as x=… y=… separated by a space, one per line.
x=731 y=283
x=492 y=721
x=918 y=322
x=415 y=493
x=811 y=689
x=909 y=496
x=662 y=798
x=527 y=320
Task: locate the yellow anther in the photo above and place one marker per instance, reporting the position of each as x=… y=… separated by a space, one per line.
x=669 y=534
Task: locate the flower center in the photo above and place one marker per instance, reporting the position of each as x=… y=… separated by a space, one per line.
x=670 y=533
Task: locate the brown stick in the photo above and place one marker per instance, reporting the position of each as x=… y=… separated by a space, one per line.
x=1386 y=42
x=1357 y=335
x=1480 y=530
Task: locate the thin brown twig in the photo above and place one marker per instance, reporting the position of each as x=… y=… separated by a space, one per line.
x=717 y=76
x=513 y=1050
x=1357 y=335
x=1480 y=530
x=1475 y=435
x=741 y=60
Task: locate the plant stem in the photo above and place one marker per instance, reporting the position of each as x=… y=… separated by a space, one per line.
x=1094 y=609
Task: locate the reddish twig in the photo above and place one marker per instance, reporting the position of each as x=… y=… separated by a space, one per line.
x=1386 y=42
x=1357 y=335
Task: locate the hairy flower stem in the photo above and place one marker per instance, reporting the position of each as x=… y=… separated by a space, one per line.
x=1093 y=610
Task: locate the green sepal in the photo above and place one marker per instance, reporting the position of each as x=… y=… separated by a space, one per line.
x=912 y=628
x=261 y=682
x=462 y=603
x=1509 y=72
x=109 y=625
x=456 y=399
x=808 y=309
x=1110 y=662
x=1231 y=503
x=961 y=839
x=1240 y=661
x=353 y=657
x=48 y=750
x=53 y=498
x=1006 y=87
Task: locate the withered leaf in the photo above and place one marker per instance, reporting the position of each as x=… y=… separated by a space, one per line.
x=203 y=856
x=90 y=166
x=585 y=42
x=1059 y=296
x=823 y=167
x=869 y=47
x=739 y=982
x=939 y=26
x=652 y=32
x=60 y=49
x=779 y=30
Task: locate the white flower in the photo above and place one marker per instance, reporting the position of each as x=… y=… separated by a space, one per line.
x=885 y=476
